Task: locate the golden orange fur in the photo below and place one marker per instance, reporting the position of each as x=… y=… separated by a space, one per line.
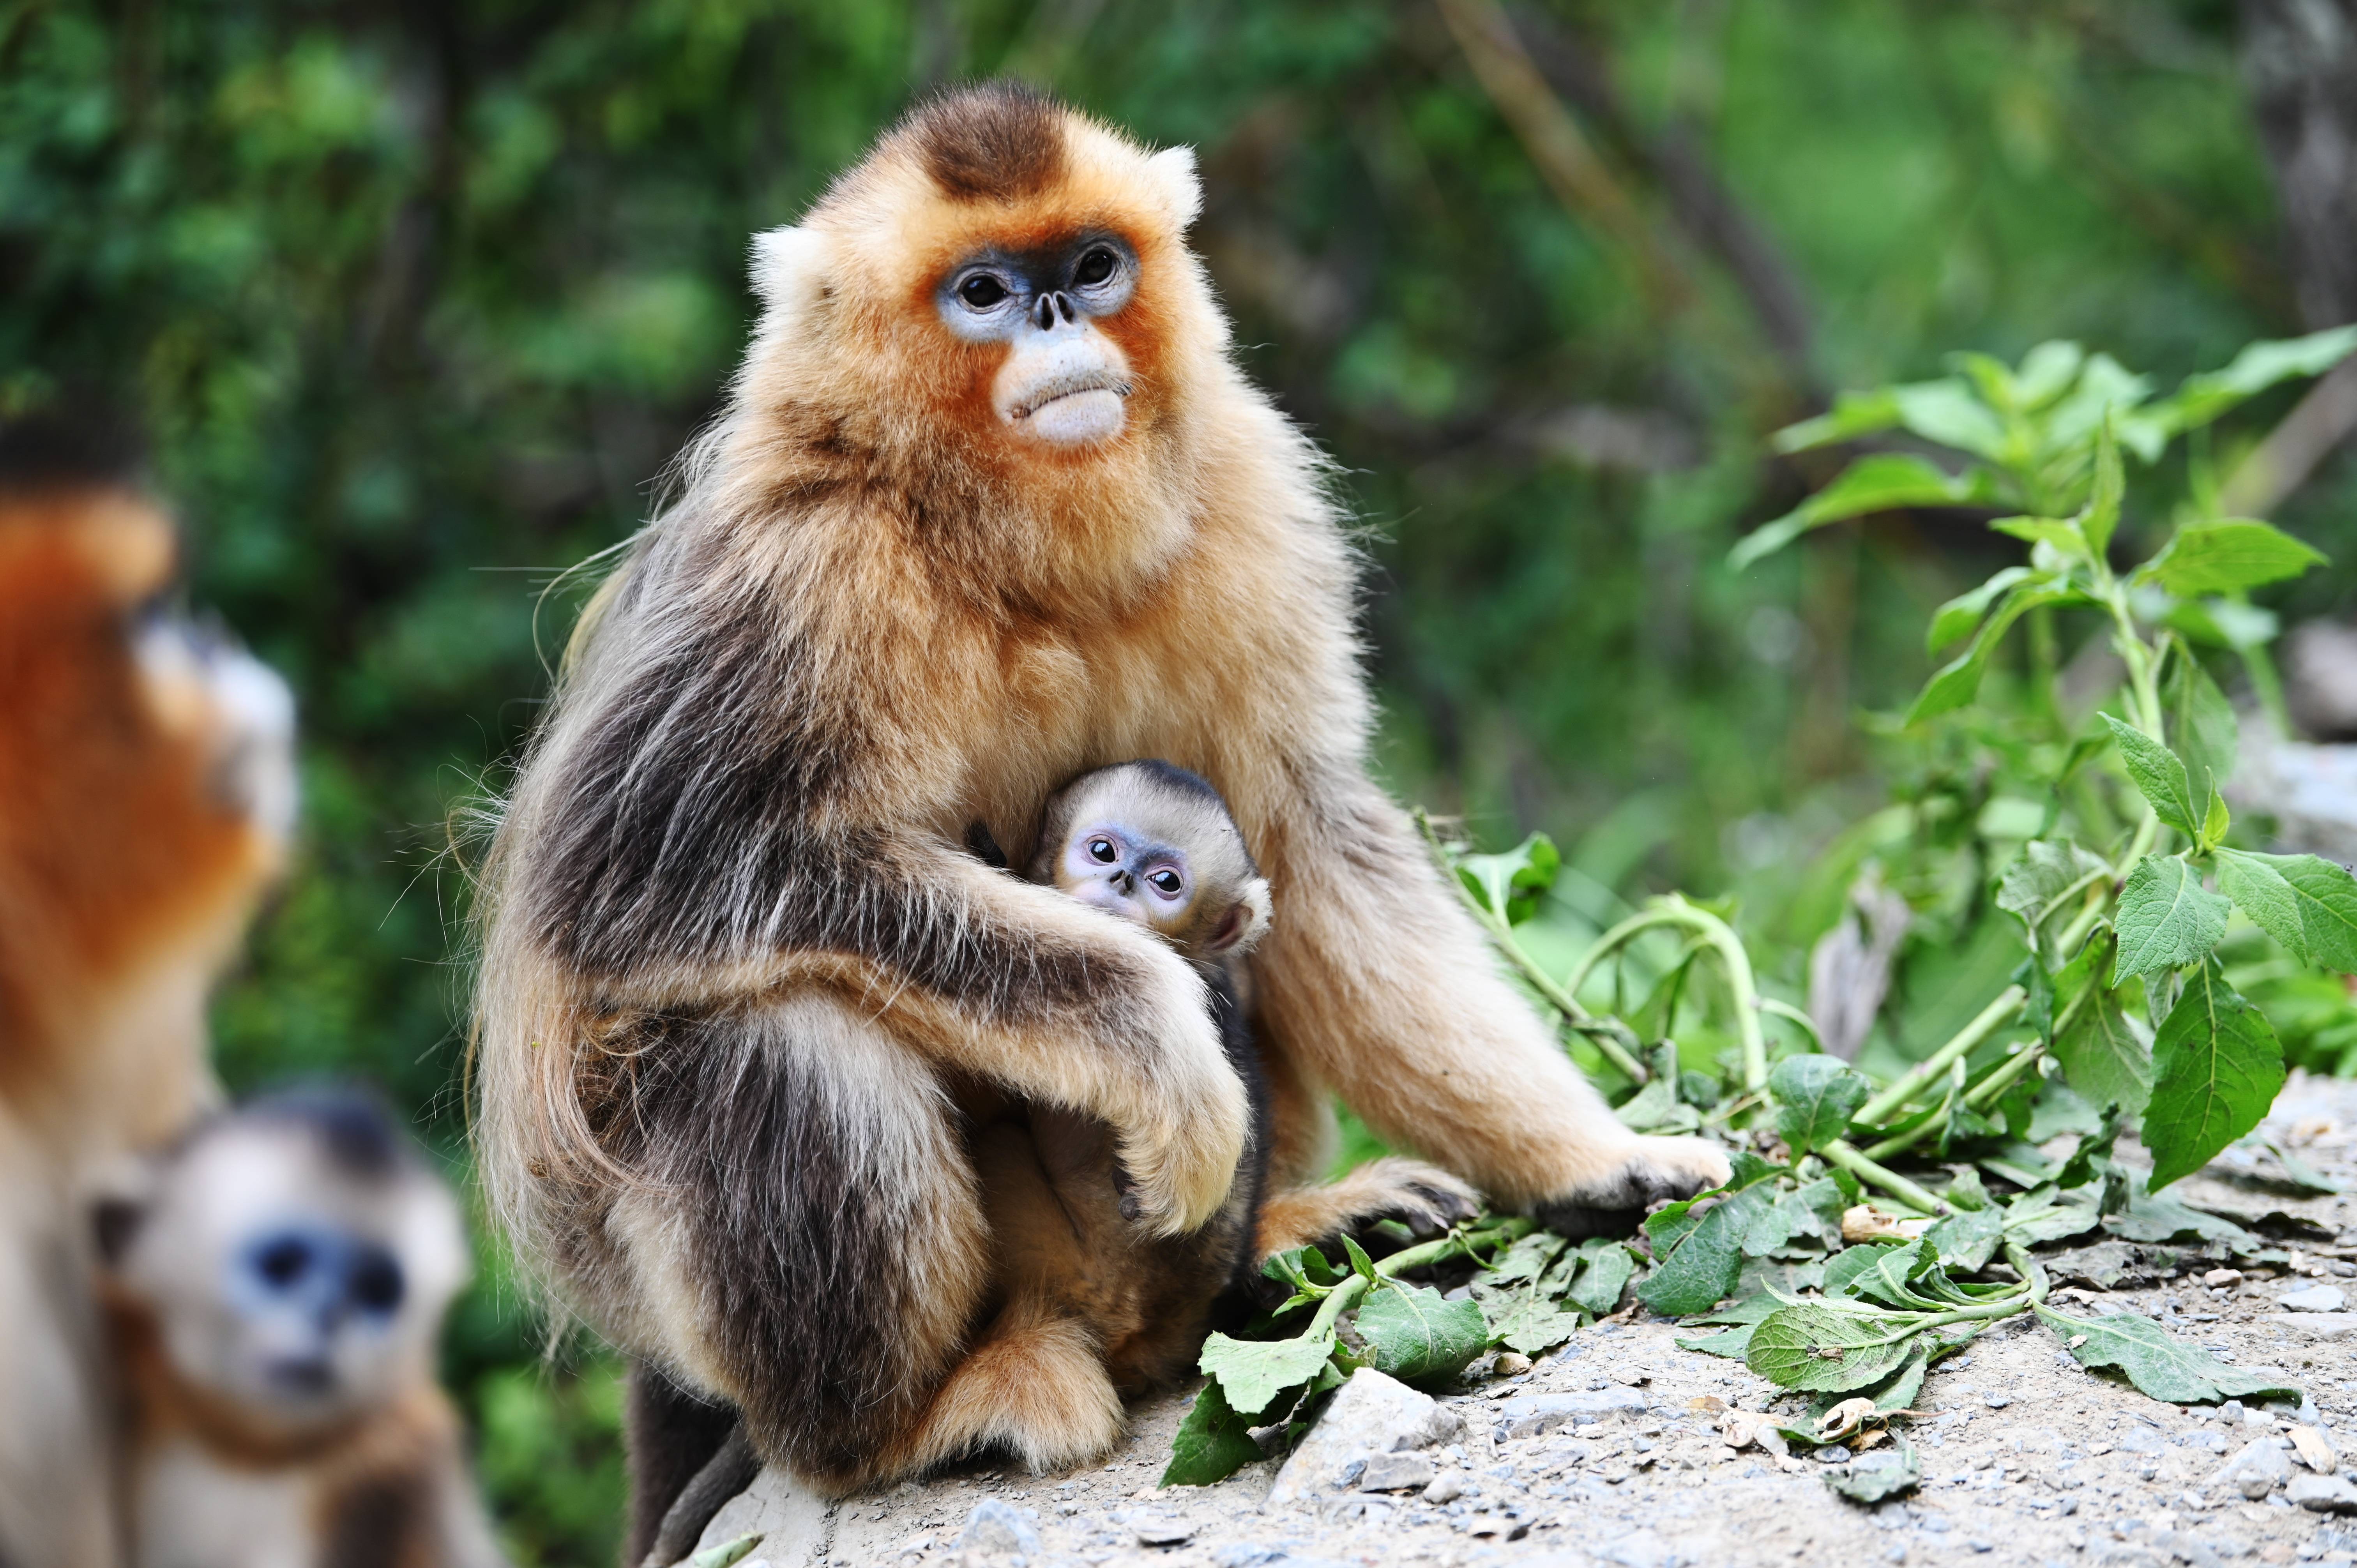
x=134 y=839
x=735 y=954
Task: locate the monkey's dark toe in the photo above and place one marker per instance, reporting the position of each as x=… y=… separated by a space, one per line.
x=1617 y=1204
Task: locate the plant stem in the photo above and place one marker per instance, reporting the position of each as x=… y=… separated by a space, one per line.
x=1892 y=1182
x=1346 y=1293
x=1914 y=1079
x=1987 y=1092
x=1339 y=1300
x=1674 y=910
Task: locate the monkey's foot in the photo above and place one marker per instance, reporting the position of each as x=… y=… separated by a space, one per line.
x=1037 y=1389
x=1425 y=1198
x=1646 y=1172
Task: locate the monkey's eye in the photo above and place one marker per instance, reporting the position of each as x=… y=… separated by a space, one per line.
x=376 y=1282
x=1095 y=267
x=982 y=292
x=1101 y=849
x=283 y=1262
x=1166 y=882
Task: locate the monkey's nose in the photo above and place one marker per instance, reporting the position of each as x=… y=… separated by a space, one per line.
x=1054 y=304
x=1122 y=882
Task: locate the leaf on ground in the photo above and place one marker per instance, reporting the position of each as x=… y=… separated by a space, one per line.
x=1213 y=1443
x=1871 y=1477
x=1532 y=1324
x=1528 y=1259
x=1706 y=1258
x=1810 y=1345
x=2158 y=775
x=1606 y=1268
x=1815 y=1097
x=2308 y=904
x=1415 y=1336
x=2047 y=1214
x=1967 y=1238
x=2166 y=919
x=2104 y=1054
x=1812 y=1210
x=1252 y=1372
x=1875 y=1267
x=2157 y=1217
x=2161 y=1367
x=1735 y=1344
x=2216 y=1067
x=1898 y=1390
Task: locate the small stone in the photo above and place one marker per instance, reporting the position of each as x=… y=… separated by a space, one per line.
x=996 y=1527
x=2259 y=1470
x=2314 y=1451
x=1396 y=1472
x=1445 y=1488
x=2315 y=1298
x=1160 y=1531
x=1534 y=1415
x=1996 y=1401
x=1510 y=1364
x=1370 y=1414
x=2219 y=1279
x=2323 y=1494
x=2315 y=1324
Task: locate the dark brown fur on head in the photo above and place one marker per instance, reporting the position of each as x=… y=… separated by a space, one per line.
x=996 y=142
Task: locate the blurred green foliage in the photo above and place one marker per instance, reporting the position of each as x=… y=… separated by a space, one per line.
x=416 y=301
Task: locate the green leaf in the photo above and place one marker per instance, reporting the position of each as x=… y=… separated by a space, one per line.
x=1362 y=1265
x=1899 y=1391
x=2153 y=1216
x=2063 y=535
x=1252 y=1372
x=1810 y=1345
x=725 y=1554
x=2162 y=1367
x=1415 y=1336
x=2203 y=398
x=2102 y=1051
x=2227 y=557
x=1534 y=1323
x=1812 y=1210
x=2167 y=918
x=1815 y=1097
x=1511 y=884
x=2102 y=515
x=2214 y=826
x=1213 y=1443
x=1967 y=1238
x=1876 y=1475
x=2200 y=721
x=2045 y=871
x=1879 y=483
x=1606 y=1268
x=2306 y=904
x=1697 y=1260
x=1958 y=681
x=1853 y=413
x=1528 y=1259
x=2049 y=1214
x=1735 y=1344
x=1886 y=1261
x=1946 y=412
x=2158 y=775
x=2216 y=1067
x=1960 y=614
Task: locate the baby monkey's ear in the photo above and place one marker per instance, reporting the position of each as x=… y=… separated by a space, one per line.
x=1244 y=924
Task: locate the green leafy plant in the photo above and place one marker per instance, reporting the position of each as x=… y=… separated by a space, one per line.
x=1871 y=1228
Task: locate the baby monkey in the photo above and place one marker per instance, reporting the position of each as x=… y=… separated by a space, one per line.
x=275 y=1296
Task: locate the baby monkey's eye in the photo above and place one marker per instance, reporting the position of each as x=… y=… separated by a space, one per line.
x=1094 y=268
x=1166 y=882
x=1103 y=849
x=982 y=291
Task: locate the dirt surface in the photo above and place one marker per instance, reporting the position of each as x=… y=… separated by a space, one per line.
x=2027 y=1458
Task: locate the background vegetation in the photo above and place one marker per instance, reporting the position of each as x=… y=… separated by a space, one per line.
x=415 y=301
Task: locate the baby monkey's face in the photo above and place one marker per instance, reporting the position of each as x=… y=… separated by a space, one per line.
x=1125 y=873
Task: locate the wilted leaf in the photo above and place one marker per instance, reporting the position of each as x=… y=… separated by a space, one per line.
x=1528 y=1259
x=1252 y=1372
x=2166 y=919
x=1812 y=1210
x=2216 y=1066
x=1415 y=1336
x=1815 y=1097
x=1698 y=1255
x=1606 y=1268
x=1213 y=1443
x=1967 y=1238
x=2229 y=556
x=1816 y=1346
x=2161 y=1367
x=2306 y=904
x=1532 y=1324
x=1735 y=1344
x=1880 y=1273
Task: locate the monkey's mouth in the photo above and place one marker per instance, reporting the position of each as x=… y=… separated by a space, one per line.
x=1070 y=406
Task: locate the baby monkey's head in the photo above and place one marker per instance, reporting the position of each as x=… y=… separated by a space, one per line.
x=1154 y=843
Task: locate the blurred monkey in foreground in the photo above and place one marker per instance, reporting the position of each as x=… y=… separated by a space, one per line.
x=274 y=1298
x=146 y=786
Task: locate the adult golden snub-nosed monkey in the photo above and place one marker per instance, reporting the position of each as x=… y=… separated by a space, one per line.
x=146 y=785
x=990 y=506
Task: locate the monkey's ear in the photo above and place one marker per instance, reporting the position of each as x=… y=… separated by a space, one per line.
x=1173 y=169
x=1243 y=925
x=114 y=1221
x=789 y=266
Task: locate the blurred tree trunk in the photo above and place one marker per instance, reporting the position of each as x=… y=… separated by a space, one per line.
x=2299 y=57
x=2300 y=60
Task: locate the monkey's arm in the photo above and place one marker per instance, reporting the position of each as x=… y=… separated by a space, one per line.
x=1377 y=981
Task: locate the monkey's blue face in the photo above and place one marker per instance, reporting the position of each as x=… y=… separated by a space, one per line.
x=1126 y=873
x=1063 y=381
x=305 y=1291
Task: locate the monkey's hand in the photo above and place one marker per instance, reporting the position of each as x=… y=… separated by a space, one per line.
x=1181 y=1126
x=1629 y=1177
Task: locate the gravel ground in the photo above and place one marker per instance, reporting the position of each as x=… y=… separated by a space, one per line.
x=2027 y=1458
